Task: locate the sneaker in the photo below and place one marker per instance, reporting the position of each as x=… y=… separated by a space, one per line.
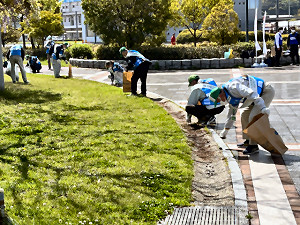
x=244 y=144
x=211 y=121
x=26 y=82
x=250 y=150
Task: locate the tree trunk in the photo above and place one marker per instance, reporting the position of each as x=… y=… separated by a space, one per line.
x=24 y=41
x=32 y=43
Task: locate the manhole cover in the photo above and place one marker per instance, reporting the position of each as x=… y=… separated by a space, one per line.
x=205 y=215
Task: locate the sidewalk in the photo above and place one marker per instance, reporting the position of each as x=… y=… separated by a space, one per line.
x=269 y=182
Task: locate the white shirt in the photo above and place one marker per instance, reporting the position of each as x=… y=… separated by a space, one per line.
x=239 y=88
x=277 y=38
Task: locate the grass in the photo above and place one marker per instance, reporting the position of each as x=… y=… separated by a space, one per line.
x=80 y=152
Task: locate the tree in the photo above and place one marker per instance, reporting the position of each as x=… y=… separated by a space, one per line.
x=191 y=14
x=127 y=22
x=11 y=35
x=221 y=25
x=42 y=25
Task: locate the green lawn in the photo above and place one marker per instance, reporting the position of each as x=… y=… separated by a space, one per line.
x=75 y=150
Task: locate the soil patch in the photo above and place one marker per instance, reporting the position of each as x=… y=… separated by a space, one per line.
x=212 y=183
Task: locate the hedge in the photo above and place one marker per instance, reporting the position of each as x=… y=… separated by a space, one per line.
x=178 y=52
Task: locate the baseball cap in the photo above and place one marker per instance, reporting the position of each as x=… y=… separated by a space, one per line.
x=122 y=50
x=214 y=94
x=192 y=78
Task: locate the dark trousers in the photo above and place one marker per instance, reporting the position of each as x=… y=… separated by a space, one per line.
x=293 y=53
x=49 y=60
x=202 y=113
x=140 y=73
x=277 y=56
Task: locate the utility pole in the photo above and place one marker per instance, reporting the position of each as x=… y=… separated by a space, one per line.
x=76 y=18
x=277 y=12
x=247 y=26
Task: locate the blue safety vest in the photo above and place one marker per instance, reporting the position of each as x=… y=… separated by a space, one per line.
x=16 y=50
x=49 y=45
x=117 y=67
x=60 y=53
x=255 y=83
x=293 y=39
x=139 y=58
x=206 y=85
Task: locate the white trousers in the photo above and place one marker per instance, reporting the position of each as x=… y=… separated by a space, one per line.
x=253 y=110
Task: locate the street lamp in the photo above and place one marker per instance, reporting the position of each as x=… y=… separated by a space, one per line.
x=247 y=27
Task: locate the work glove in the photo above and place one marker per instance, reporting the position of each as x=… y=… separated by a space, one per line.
x=265 y=111
x=223 y=133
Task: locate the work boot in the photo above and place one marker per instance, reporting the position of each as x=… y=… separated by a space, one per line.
x=251 y=149
x=244 y=144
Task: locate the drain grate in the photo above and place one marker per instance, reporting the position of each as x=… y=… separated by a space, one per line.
x=205 y=215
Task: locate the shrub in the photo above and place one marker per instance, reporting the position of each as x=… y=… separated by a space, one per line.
x=186 y=37
x=80 y=51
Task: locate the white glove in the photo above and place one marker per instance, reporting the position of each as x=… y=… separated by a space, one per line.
x=265 y=111
x=224 y=133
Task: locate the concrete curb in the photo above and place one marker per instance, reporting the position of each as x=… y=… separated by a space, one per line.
x=236 y=174
x=185 y=64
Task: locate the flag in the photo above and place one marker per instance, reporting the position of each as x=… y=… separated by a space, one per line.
x=255 y=32
x=264 y=31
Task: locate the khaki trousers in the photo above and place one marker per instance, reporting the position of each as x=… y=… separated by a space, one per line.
x=249 y=112
x=16 y=59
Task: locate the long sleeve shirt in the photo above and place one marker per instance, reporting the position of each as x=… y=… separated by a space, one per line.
x=278 y=39
x=239 y=88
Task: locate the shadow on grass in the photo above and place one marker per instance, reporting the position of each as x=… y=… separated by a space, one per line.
x=17 y=94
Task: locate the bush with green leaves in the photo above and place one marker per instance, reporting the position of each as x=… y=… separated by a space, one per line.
x=186 y=37
x=80 y=51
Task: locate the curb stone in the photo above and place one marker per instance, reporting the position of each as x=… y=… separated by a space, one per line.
x=236 y=174
x=185 y=64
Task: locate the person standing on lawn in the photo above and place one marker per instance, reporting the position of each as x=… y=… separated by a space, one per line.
x=140 y=66
x=16 y=55
x=256 y=96
x=199 y=104
x=57 y=52
x=49 y=43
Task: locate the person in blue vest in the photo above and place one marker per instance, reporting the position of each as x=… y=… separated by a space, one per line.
x=199 y=104
x=256 y=96
x=278 y=46
x=57 y=52
x=140 y=66
x=293 y=42
x=16 y=55
x=49 y=43
x=34 y=63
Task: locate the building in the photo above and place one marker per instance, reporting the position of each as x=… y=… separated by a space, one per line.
x=73 y=21
x=240 y=9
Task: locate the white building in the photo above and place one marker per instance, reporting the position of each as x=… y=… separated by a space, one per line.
x=73 y=21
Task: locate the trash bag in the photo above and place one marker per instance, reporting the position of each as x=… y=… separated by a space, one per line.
x=260 y=131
